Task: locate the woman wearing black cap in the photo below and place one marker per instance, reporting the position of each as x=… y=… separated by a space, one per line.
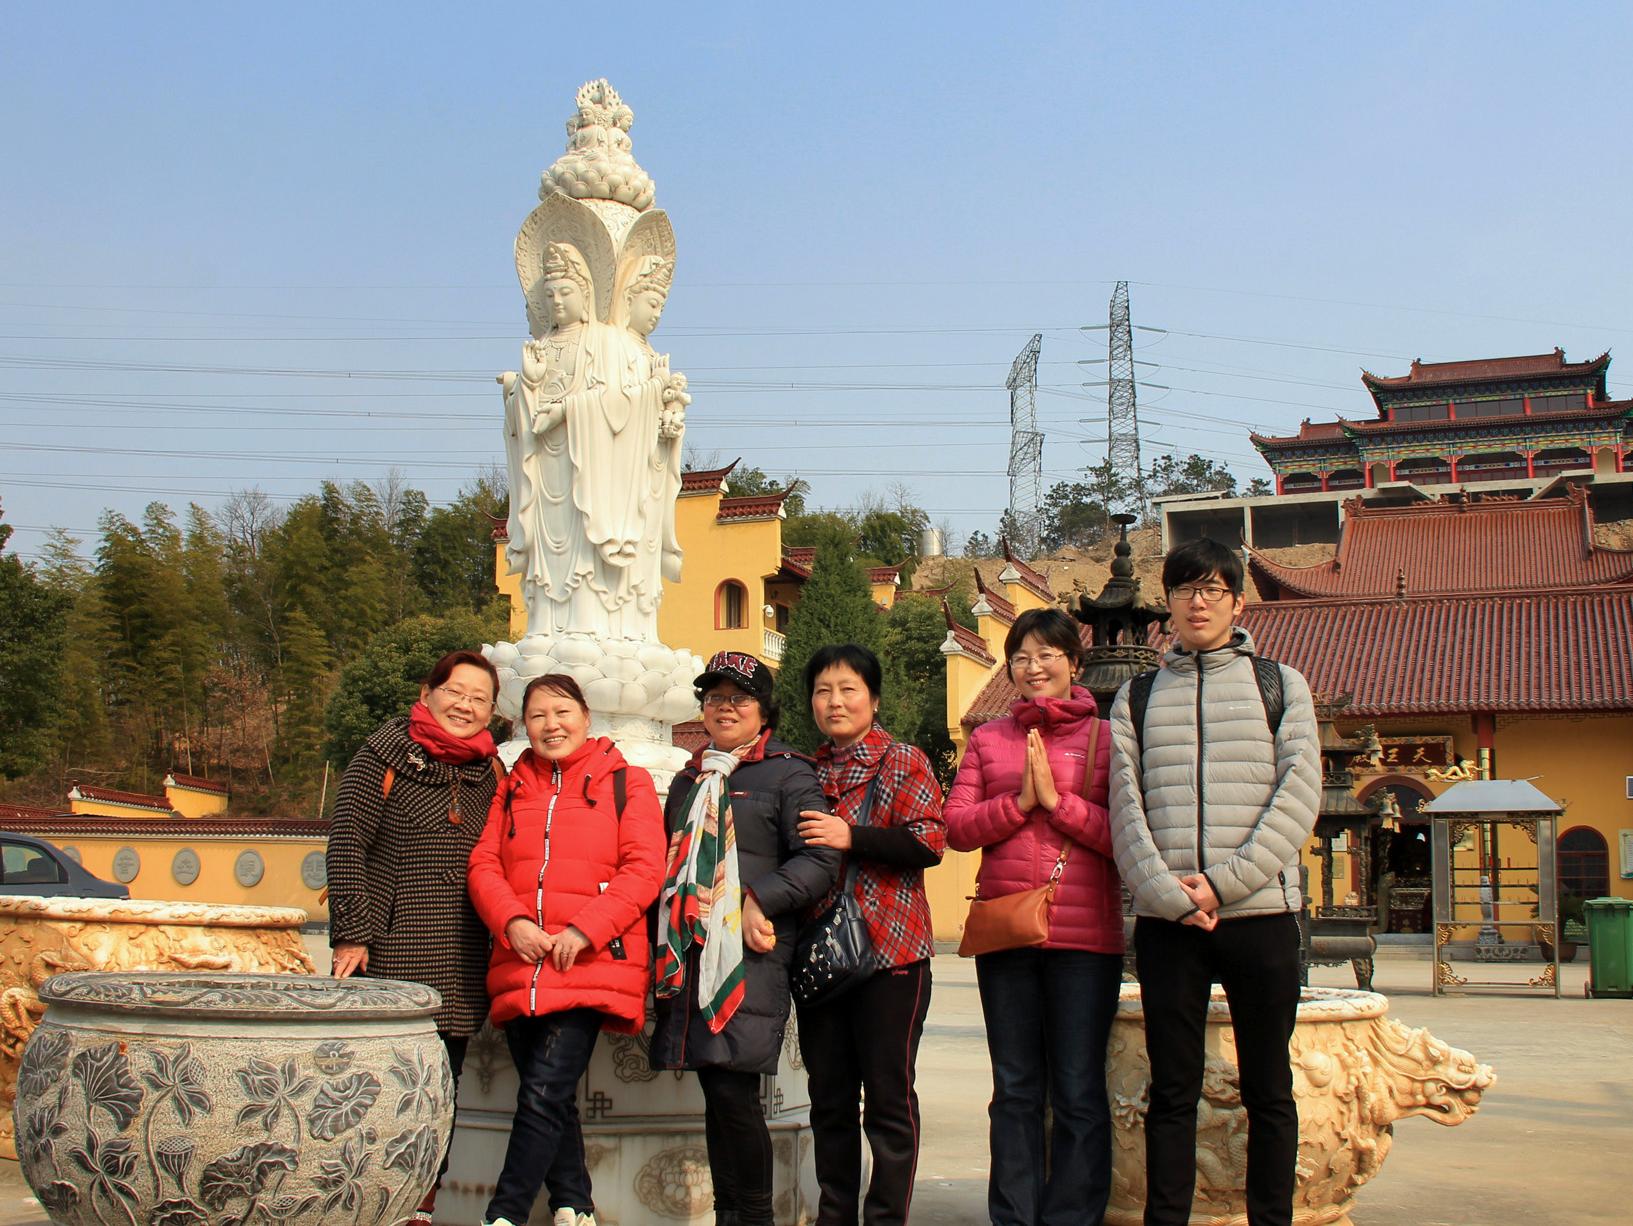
x=739 y=876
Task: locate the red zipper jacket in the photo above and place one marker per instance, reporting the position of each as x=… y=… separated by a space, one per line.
x=555 y=851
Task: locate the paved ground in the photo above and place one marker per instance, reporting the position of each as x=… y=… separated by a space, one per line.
x=1551 y=1146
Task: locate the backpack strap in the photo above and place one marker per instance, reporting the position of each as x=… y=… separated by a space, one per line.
x=620 y=792
x=387 y=782
x=1139 y=698
x=1268 y=674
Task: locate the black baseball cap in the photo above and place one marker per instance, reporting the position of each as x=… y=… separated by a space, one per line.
x=739 y=668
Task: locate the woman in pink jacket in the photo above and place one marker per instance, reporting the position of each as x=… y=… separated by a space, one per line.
x=1020 y=797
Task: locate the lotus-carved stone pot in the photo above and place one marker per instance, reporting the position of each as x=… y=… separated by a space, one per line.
x=220 y=1099
x=1355 y=1072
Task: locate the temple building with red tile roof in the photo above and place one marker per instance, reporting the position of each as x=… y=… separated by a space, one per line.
x=1518 y=425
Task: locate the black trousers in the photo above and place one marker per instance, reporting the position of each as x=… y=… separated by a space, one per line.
x=739 y=1145
x=1255 y=959
x=865 y=1045
x=456 y=1045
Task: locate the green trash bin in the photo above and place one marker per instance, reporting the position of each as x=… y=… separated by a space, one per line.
x=1610 y=940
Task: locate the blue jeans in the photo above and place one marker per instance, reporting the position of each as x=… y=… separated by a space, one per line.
x=1048 y=1014
x=546 y=1144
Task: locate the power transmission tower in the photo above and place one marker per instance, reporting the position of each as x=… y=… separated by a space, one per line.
x=1025 y=452
x=1122 y=416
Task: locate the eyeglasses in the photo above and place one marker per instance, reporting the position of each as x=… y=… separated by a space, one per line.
x=736 y=701
x=1048 y=659
x=1213 y=593
x=460 y=696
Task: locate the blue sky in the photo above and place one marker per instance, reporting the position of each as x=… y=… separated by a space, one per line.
x=233 y=232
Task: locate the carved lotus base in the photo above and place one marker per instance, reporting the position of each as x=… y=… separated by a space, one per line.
x=618 y=676
x=226 y=1100
x=1355 y=1072
x=42 y=937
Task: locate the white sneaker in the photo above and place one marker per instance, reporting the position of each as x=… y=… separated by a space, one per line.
x=571 y=1217
x=498 y=1221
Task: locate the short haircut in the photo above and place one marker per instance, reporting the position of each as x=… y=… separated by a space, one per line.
x=853 y=656
x=1201 y=559
x=444 y=668
x=770 y=709
x=554 y=683
x=1058 y=630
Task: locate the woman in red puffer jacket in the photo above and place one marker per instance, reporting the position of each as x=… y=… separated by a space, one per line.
x=1029 y=790
x=570 y=860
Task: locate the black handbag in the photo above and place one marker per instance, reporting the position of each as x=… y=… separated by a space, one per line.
x=834 y=952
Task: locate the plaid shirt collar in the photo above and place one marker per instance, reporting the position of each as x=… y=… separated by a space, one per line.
x=856 y=759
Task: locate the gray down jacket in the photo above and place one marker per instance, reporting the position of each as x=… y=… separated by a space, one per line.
x=1214 y=792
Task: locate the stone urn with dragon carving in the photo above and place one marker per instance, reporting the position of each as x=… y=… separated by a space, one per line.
x=1355 y=1073
x=207 y=1099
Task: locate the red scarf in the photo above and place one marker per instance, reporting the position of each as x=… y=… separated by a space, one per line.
x=443 y=745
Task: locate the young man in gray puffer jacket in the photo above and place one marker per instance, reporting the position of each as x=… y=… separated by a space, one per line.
x=1210 y=806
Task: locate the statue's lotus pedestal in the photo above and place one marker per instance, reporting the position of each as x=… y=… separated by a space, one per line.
x=637 y=691
x=186 y=1099
x=1355 y=1072
x=643 y=1137
x=42 y=937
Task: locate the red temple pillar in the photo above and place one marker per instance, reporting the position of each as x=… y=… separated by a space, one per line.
x=1453 y=460
x=1278 y=483
x=1530 y=463
x=1324 y=476
x=1392 y=464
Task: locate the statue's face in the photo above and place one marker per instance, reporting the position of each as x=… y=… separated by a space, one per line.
x=564 y=301
x=645 y=309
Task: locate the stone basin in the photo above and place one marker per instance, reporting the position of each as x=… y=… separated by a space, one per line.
x=42 y=937
x=161 y=1099
x=1355 y=1072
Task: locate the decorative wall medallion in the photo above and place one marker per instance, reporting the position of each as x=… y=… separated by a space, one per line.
x=184 y=866
x=249 y=868
x=126 y=864
x=314 y=870
x=675 y=1183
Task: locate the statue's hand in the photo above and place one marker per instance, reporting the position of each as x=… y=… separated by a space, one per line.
x=533 y=364
x=549 y=417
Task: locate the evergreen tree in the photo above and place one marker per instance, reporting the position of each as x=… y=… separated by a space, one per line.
x=385 y=679
x=32 y=641
x=836 y=606
x=80 y=724
x=304 y=691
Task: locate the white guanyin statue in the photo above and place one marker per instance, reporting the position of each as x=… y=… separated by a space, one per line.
x=593 y=426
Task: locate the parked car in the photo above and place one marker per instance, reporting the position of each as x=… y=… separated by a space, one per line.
x=34 y=867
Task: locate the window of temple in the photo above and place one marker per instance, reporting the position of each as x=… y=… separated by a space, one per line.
x=730 y=606
x=1300 y=483
x=1561 y=459
x=1584 y=863
x=1424 y=468
x=1419 y=412
x=1492 y=466
x=1346 y=479
x=1510 y=406
x=1571 y=402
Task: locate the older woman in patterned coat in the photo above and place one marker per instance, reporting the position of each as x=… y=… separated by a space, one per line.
x=411 y=805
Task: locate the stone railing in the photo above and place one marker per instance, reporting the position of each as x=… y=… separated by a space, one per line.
x=773 y=646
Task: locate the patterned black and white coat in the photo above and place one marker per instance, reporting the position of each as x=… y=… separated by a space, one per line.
x=397 y=861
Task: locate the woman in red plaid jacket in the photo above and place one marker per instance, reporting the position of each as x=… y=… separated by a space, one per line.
x=865 y=1043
